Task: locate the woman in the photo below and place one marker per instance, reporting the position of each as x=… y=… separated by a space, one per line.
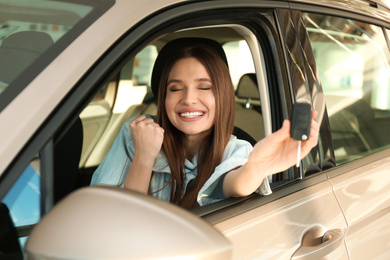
x=188 y=155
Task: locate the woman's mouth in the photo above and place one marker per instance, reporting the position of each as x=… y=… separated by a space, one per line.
x=191 y=114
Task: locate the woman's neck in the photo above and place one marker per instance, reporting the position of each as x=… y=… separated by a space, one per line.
x=192 y=148
x=193 y=144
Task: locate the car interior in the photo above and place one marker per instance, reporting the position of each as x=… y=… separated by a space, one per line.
x=101 y=122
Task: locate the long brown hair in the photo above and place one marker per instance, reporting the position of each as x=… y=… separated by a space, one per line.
x=213 y=146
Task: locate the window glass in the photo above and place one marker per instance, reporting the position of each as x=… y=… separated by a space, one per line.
x=239 y=58
x=135 y=78
x=143 y=65
x=23 y=199
x=248 y=115
x=353 y=63
x=28 y=30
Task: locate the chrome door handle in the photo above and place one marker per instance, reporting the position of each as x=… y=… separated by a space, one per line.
x=318 y=247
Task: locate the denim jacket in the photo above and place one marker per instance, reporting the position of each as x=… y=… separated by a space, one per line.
x=115 y=166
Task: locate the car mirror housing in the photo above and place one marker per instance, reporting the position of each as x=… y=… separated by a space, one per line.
x=113 y=223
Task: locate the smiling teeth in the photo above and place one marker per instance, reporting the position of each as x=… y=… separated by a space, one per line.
x=191 y=114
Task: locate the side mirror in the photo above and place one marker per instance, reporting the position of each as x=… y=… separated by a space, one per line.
x=112 y=223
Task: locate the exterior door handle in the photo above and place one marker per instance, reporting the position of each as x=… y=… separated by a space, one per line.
x=317 y=247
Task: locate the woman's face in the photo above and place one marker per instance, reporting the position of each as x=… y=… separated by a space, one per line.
x=190 y=101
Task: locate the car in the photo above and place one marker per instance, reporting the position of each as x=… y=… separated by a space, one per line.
x=73 y=72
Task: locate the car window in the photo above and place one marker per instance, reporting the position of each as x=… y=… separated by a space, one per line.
x=134 y=95
x=353 y=63
x=23 y=200
x=249 y=115
x=27 y=33
x=143 y=65
x=115 y=102
x=239 y=58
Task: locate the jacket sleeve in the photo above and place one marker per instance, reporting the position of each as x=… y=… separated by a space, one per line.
x=116 y=164
x=236 y=154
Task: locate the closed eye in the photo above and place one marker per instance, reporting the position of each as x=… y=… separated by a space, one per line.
x=174 y=87
x=205 y=86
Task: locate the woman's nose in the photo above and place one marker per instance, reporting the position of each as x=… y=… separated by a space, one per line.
x=189 y=96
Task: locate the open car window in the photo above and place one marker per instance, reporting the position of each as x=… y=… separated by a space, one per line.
x=134 y=97
x=129 y=94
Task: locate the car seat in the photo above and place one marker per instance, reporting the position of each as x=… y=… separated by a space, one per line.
x=248 y=109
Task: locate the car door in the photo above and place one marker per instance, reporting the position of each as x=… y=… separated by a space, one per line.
x=302 y=218
x=355 y=77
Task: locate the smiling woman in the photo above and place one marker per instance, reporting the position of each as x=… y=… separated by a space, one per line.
x=197 y=145
x=188 y=155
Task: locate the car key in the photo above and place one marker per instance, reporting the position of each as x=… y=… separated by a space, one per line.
x=300 y=125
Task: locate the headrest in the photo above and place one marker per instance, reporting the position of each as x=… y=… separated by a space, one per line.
x=247 y=87
x=19 y=50
x=171 y=48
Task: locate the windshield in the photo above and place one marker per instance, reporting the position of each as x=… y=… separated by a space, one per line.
x=35 y=31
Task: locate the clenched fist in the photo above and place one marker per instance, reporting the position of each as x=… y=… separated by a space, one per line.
x=147 y=135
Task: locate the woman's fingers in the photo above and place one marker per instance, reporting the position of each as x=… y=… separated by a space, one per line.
x=147 y=136
x=143 y=121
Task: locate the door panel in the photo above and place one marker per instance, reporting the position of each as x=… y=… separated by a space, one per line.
x=353 y=59
x=275 y=230
x=365 y=198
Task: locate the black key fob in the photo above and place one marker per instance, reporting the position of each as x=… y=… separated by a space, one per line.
x=301 y=121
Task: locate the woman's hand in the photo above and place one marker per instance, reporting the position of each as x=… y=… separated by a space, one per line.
x=275 y=153
x=278 y=151
x=147 y=135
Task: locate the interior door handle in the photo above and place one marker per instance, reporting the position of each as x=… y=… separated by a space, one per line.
x=317 y=247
